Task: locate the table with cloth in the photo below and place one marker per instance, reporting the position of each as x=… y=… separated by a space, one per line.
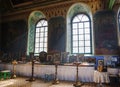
x=101 y=77
x=65 y=72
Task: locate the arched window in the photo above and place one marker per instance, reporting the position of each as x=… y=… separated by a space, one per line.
x=81 y=34
x=37 y=29
x=41 y=34
x=79 y=30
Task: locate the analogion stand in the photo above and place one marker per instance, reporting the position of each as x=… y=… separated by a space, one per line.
x=32 y=73
x=56 y=81
x=14 y=68
x=77 y=83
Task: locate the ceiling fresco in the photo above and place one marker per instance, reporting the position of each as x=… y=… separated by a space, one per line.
x=12 y=5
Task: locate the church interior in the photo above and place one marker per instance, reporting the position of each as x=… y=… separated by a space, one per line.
x=60 y=43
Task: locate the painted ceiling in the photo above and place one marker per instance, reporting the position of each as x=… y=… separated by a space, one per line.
x=8 y=5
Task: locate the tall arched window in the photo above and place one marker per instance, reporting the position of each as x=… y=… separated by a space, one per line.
x=41 y=34
x=79 y=30
x=35 y=25
x=81 y=34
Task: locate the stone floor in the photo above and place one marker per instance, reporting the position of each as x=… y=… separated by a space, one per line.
x=21 y=82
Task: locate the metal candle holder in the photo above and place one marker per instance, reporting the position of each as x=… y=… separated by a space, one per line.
x=32 y=73
x=56 y=81
x=14 y=68
x=77 y=83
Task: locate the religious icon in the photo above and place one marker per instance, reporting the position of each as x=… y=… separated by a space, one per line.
x=100 y=65
x=100 y=62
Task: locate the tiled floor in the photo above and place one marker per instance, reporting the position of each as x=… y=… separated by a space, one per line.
x=21 y=82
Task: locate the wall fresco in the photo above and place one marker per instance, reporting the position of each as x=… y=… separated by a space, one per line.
x=56 y=39
x=106 y=41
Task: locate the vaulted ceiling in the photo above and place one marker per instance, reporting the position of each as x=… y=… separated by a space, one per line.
x=13 y=5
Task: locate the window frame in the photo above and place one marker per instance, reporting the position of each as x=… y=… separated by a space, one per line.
x=90 y=28
x=39 y=37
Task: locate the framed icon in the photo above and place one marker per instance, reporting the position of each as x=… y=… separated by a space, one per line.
x=50 y=57
x=100 y=62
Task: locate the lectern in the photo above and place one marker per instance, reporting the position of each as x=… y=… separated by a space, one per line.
x=14 y=62
x=56 y=81
x=77 y=82
x=32 y=72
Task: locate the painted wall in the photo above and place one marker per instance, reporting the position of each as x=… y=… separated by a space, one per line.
x=14 y=33
x=14 y=38
x=105 y=35
x=56 y=34
x=105 y=31
x=0 y=32
x=0 y=37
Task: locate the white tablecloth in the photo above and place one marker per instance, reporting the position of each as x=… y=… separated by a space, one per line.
x=101 y=77
x=113 y=71
x=85 y=73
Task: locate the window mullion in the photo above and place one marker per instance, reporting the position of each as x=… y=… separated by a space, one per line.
x=44 y=38
x=39 y=38
x=78 y=36
x=84 y=36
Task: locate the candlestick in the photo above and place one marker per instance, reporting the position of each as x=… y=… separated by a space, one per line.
x=77 y=83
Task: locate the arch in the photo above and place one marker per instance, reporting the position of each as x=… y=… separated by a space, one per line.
x=73 y=10
x=32 y=20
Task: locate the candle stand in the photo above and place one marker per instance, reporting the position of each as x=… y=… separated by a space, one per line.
x=77 y=83
x=14 y=68
x=32 y=72
x=56 y=81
